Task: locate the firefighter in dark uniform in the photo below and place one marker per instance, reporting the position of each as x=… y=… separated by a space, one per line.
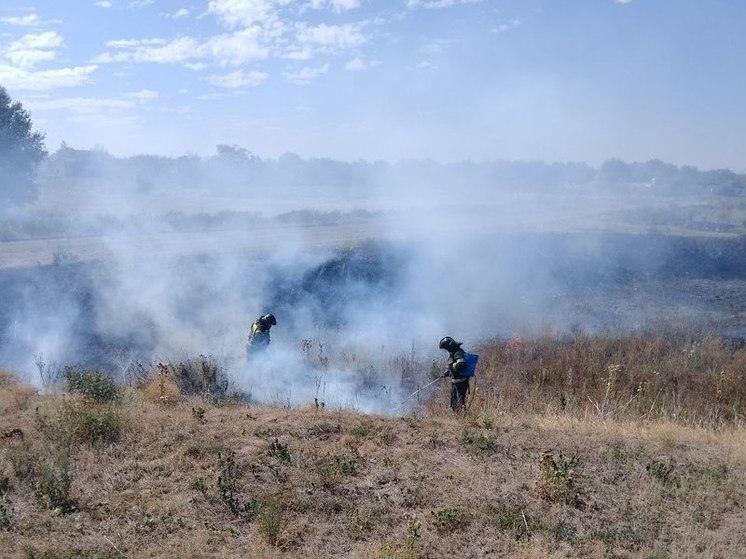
x=259 y=334
x=456 y=368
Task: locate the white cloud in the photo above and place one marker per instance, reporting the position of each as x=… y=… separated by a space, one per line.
x=29 y=58
x=426 y=66
x=436 y=46
x=337 y=5
x=244 y=12
x=258 y=32
x=622 y=1
x=237 y=48
x=503 y=27
x=140 y=3
x=355 y=65
x=306 y=75
x=153 y=50
x=29 y=50
x=47 y=40
x=333 y=37
x=239 y=79
x=299 y=53
x=437 y=4
x=343 y=5
x=18 y=78
x=130 y=43
x=103 y=4
x=143 y=95
x=178 y=14
x=28 y=20
x=231 y=49
x=84 y=105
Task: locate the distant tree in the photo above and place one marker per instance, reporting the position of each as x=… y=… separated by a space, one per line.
x=21 y=150
x=233 y=153
x=614 y=172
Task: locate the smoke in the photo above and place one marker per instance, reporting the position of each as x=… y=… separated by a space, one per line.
x=363 y=286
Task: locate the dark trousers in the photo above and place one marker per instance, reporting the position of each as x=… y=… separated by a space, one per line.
x=458 y=394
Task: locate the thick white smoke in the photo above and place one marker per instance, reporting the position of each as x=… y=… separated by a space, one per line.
x=358 y=321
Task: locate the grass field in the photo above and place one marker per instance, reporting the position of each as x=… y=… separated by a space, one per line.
x=99 y=471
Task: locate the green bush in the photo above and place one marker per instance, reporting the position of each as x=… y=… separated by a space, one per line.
x=54 y=483
x=664 y=472
x=509 y=517
x=94 y=385
x=271 y=517
x=202 y=376
x=81 y=422
x=97 y=425
x=280 y=451
x=557 y=483
x=479 y=443
x=449 y=519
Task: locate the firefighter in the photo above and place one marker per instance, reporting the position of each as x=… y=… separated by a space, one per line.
x=456 y=369
x=259 y=333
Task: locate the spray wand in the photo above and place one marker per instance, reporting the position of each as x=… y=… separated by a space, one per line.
x=413 y=394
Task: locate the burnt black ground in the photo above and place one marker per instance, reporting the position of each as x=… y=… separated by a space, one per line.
x=603 y=281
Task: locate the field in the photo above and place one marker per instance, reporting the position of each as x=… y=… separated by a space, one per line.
x=586 y=452
x=606 y=418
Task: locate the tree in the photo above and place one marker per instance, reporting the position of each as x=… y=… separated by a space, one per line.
x=233 y=153
x=21 y=150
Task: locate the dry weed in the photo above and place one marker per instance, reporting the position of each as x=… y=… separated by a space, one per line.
x=159 y=390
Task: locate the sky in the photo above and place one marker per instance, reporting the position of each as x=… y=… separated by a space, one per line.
x=448 y=80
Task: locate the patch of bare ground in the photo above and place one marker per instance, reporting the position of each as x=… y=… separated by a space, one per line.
x=100 y=477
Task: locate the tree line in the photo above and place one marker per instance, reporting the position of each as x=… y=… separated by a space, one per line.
x=25 y=163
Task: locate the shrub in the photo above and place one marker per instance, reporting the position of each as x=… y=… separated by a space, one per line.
x=664 y=472
x=95 y=425
x=24 y=462
x=271 y=517
x=228 y=486
x=332 y=467
x=509 y=517
x=54 y=482
x=479 y=443
x=81 y=422
x=557 y=483
x=449 y=519
x=199 y=376
x=94 y=385
x=280 y=451
x=198 y=413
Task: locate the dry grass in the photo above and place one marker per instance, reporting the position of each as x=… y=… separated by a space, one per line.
x=14 y=396
x=238 y=481
x=681 y=376
x=161 y=390
x=604 y=446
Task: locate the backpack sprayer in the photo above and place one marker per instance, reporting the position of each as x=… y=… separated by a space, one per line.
x=471 y=366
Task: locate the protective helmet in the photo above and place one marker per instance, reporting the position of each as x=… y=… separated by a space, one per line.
x=269 y=319
x=449 y=344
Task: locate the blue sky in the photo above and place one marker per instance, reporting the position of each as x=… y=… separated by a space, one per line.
x=559 y=80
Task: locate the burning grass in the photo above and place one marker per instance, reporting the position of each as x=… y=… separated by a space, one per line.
x=519 y=474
